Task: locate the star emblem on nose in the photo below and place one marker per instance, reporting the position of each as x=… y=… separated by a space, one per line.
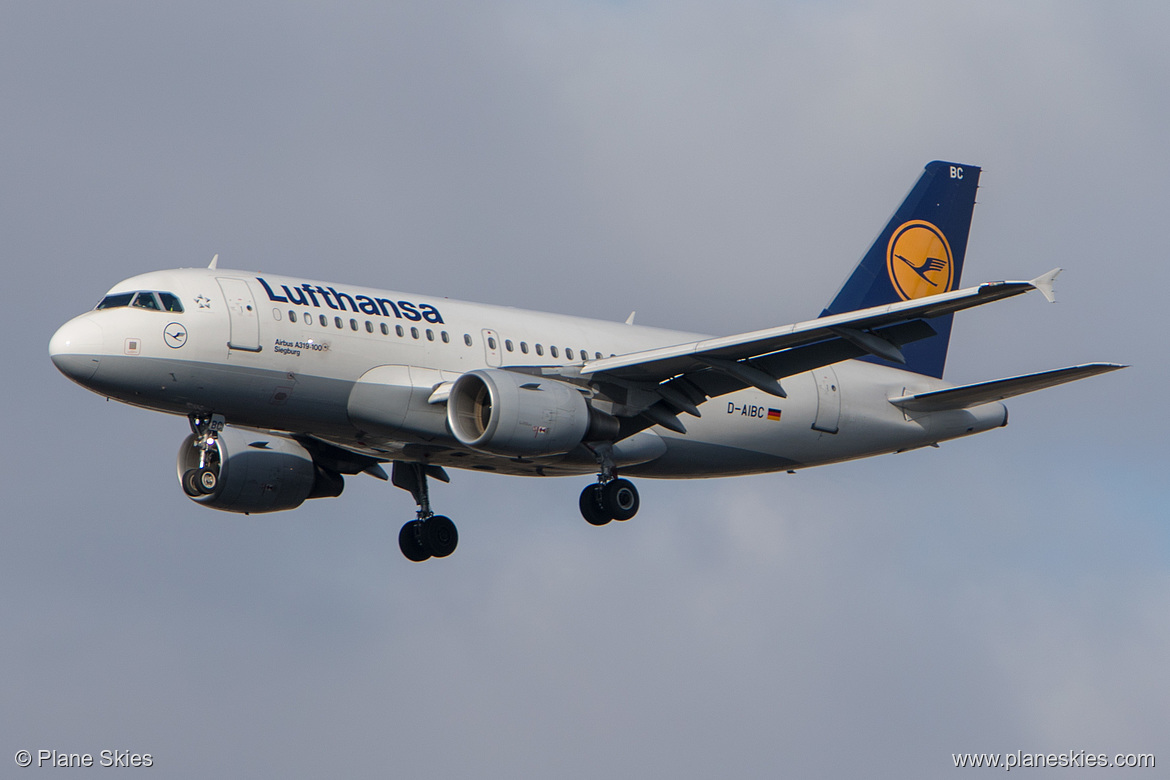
x=203 y=301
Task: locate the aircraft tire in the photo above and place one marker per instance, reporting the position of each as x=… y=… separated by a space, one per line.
x=206 y=480
x=191 y=483
x=410 y=541
x=440 y=535
x=591 y=505
x=619 y=499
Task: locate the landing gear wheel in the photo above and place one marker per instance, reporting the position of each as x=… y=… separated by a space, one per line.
x=619 y=499
x=206 y=480
x=410 y=541
x=191 y=483
x=440 y=535
x=591 y=505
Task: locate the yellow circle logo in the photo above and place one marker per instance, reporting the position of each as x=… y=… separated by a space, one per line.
x=919 y=260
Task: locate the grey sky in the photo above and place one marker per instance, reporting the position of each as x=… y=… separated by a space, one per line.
x=716 y=168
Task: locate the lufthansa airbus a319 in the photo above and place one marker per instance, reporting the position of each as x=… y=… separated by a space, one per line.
x=289 y=385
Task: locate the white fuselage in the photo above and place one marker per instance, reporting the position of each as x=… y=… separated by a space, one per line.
x=358 y=367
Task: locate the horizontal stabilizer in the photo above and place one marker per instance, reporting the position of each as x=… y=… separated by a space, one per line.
x=967 y=396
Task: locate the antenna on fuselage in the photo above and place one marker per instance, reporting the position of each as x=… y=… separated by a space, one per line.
x=214 y=261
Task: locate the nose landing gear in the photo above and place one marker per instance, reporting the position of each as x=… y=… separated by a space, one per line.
x=204 y=478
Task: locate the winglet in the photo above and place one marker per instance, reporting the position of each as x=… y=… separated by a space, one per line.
x=214 y=261
x=1044 y=284
x=630 y=319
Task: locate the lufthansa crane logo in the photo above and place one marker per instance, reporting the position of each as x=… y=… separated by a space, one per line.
x=175 y=335
x=919 y=260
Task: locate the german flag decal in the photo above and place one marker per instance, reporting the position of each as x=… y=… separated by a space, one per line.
x=774 y=414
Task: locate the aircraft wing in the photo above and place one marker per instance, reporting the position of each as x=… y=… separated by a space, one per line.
x=660 y=364
x=654 y=386
x=967 y=396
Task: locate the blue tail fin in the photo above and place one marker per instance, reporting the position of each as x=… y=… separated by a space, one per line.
x=919 y=253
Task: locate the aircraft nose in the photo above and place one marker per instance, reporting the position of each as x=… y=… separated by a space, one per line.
x=76 y=348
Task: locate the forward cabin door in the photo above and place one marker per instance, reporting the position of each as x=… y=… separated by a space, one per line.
x=242 y=314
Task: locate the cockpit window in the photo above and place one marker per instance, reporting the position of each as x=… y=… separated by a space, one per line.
x=154 y=301
x=115 y=301
x=145 y=300
x=170 y=302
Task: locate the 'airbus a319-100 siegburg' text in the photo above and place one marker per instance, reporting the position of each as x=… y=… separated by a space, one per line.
x=290 y=385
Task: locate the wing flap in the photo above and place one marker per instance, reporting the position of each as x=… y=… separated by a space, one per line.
x=966 y=396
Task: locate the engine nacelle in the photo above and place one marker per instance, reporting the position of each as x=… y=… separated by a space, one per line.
x=506 y=413
x=252 y=471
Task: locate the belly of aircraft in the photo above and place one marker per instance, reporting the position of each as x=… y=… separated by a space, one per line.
x=746 y=432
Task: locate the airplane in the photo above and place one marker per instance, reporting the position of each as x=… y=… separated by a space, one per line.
x=290 y=385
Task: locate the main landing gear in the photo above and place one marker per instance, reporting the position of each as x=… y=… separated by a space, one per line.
x=429 y=535
x=204 y=478
x=610 y=498
x=616 y=499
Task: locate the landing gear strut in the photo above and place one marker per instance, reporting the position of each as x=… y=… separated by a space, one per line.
x=204 y=478
x=610 y=498
x=429 y=535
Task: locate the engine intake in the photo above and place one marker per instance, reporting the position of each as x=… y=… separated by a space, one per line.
x=505 y=413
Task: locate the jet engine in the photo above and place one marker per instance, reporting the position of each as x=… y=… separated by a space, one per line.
x=506 y=413
x=252 y=471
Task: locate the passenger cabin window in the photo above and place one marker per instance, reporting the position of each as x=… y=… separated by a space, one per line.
x=292 y=316
x=445 y=337
x=324 y=321
x=508 y=344
x=353 y=326
x=430 y=335
x=385 y=329
x=553 y=351
x=491 y=342
x=568 y=353
x=398 y=329
x=414 y=333
x=524 y=347
x=539 y=350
